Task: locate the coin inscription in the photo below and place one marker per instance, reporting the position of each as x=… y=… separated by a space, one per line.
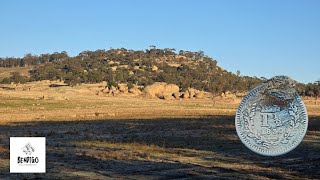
x=272 y=119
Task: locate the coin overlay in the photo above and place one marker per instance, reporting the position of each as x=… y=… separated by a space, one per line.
x=272 y=119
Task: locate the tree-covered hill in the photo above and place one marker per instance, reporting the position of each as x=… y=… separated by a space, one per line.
x=183 y=68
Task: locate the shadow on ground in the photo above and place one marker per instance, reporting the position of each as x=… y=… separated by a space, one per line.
x=206 y=147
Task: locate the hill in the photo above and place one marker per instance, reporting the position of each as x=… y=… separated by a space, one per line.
x=186 y=69
x=141 y=67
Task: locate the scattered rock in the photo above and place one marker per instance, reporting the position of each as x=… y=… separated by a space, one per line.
x=227 y=92
x=123 y=88
x=114 y=68
x=185 y=95
x=115 y=92
x=113 y=88
x=174 y=64
x=154 y=68
x=176 y=95
x=106 y=90
x=124 y=66
x=199 y=95
x=229 y=95
x=192 y=92
x=135 y=91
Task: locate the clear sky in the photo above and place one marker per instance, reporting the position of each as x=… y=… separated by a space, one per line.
x=260 y=38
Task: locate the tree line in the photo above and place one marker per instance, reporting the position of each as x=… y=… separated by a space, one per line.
x=32 y=60
x=184 y=68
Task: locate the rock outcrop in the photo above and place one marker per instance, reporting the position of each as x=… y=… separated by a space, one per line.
x=135 y=91
x=123 y=88
x=161 y=90
x=229 y=95
x=177 y=95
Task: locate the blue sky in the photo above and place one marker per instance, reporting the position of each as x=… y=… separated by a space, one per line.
x=260 y=38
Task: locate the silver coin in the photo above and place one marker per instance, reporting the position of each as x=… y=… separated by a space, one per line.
x=272 y=119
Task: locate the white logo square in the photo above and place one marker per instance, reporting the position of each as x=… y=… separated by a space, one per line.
x=27 y=154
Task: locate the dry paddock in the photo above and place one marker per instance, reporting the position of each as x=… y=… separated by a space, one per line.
x=99 y=137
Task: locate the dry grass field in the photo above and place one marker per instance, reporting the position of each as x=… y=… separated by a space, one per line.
x=126 y=137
